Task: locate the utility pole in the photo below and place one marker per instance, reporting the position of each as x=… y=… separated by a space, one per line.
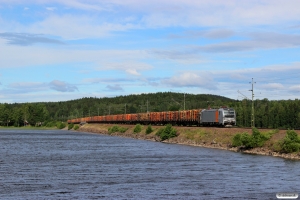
x=252 y=111
x=184 y=101
x=98 y=111
x=125 y=108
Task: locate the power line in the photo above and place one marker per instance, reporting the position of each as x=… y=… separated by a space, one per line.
x=252 y=112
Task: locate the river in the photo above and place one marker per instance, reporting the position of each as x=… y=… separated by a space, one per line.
x=57 y=164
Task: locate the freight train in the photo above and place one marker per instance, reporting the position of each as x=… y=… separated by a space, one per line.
x=225 y=117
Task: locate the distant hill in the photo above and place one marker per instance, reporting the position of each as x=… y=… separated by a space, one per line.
x=161 y=101
x=268 y=114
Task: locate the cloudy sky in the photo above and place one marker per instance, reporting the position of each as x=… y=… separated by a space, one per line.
x=57 y=50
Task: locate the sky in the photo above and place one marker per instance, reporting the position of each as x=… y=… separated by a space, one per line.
x=59 y=50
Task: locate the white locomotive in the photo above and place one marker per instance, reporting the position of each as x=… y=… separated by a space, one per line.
x=218 y=117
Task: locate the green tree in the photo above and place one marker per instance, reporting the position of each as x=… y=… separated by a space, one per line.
x=17 y=117
x=137 y=128
x=167 y=132
x=149 y=129
x=291 y=142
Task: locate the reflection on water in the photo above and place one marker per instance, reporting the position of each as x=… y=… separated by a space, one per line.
x=70 y=165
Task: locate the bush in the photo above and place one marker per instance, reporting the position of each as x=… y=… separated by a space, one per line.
x=137 y=128
x=50 y=124
x=160 y=131
x=292 y=135
x=290 y=144
x=115 y=129
x=236 y=141
x=247 y=140
x=122 y=129
x=70 y=126
x=149 y=129
x=257 y=139
x=76 y=127
x=167 y=132
x=60 y=125
x=290 y=147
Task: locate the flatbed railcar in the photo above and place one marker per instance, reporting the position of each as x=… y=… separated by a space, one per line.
x=196 y=117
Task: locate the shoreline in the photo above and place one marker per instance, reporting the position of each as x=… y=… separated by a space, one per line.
x=28 y=128
x=182 y=139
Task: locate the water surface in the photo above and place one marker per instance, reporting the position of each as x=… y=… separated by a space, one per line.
x=55 y=164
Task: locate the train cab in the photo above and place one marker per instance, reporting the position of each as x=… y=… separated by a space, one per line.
x=227 y=117
x=218 y=117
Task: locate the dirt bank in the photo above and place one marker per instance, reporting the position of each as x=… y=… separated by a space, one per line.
x=209 y=137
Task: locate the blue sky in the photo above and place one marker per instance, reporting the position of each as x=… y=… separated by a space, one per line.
x=62 y=50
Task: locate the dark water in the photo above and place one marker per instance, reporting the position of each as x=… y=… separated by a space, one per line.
x=72 y=165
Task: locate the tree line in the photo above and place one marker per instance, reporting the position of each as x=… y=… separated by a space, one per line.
x=283 y=114
x=268 y=114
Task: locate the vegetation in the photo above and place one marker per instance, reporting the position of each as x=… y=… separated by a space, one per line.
x=76 y=127
x=70 y=126
x=268 y=114
x=257 y=139
x=50 y=124
x=60 y=125
x=115 y=129
x=149 y=129
x=137 y=128
x=21 y=114
x=167 y=132
x=290 y=144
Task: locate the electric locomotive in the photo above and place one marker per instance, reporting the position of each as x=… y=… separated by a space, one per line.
x=218 y=117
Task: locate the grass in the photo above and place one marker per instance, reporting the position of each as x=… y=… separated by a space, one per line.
x=196 y=135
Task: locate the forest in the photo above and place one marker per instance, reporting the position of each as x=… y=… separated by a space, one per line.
x=283 y=114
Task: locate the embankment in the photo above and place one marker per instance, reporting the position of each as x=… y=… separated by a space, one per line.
x=209 y=137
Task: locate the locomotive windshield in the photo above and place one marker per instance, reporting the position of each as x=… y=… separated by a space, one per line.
x=229 y=113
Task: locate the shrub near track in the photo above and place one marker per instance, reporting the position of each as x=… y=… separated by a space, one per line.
x=257 y=139
x=76 y=127
x=70 y=126
x=115 y=129
x=149 y=129
x=167 y=132
x=290 y=144
x=137 y=128
x=60 y=125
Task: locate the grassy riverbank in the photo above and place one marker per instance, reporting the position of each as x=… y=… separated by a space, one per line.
x=209 y=137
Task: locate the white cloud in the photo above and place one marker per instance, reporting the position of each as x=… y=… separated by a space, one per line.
x=191 y=79
x=205 y=35
x=132 y=72
x=51 y=8
x=21 y=85
x=167 y=13
x=273 y=86
x=19 y=56
x=62 y=86
x=24 y=39
x=33 y=87
x=115 y=87
x=107 y=80
x=295 y=88
x=130 y=67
